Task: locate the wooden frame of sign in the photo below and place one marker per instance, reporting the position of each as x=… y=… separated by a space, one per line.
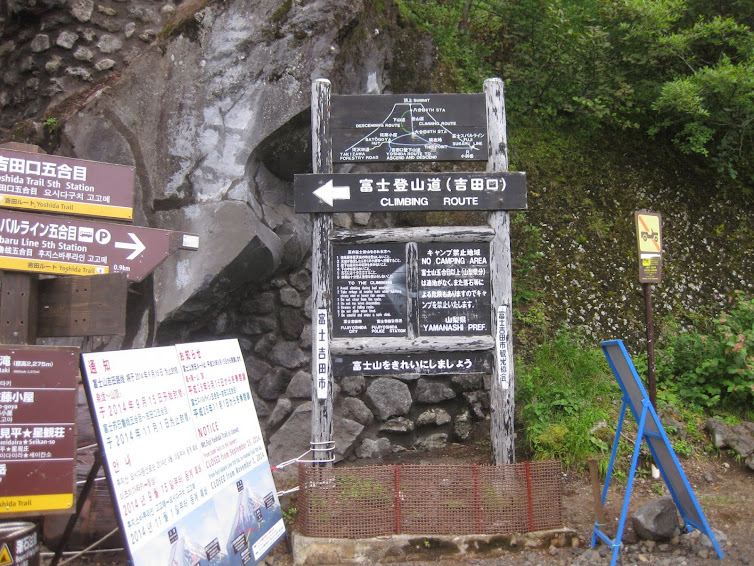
x=487 y=334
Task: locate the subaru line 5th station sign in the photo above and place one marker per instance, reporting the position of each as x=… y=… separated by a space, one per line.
x=390 y=192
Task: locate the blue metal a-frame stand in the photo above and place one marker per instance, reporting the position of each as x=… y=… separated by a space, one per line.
x=650 y=430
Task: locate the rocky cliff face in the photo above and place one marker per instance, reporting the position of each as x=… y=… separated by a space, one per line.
x=210 y=102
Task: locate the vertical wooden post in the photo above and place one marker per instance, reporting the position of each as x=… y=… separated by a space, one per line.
x=501 y=391
x=322 y=408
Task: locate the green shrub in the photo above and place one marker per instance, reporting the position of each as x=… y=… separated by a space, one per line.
x=716 y=367
x=563 y=394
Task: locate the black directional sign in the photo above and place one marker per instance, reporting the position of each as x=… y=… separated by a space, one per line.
x=390 y=192
x=427 y=127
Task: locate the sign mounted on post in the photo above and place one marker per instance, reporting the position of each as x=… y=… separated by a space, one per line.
x=70 y=246
x=38 y=391
x=369 y=290
x=185 y=455
x=649 y=239
x=427 y=127
x=63 y=185
x=391 y=192
x=454 y=289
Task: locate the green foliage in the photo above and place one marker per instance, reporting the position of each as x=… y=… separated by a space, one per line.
x=564 y=392
x=713 y=367
x=682 y=70
x=52 y=124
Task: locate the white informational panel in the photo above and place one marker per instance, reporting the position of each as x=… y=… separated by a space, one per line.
x=184 y=454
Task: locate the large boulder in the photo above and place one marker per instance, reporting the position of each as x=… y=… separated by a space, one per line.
x=657 y=520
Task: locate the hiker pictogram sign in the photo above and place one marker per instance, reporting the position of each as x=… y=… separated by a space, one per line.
x=649 y=239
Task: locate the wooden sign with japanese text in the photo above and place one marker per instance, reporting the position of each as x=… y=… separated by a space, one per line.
x=63 y=185
x=39 y=243
x=38 y=390
x=184 y=453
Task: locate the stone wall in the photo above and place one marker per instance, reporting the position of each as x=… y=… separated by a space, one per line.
x=52 y=49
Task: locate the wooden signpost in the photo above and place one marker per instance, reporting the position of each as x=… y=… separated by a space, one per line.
x=433 y=301
x=38 y=387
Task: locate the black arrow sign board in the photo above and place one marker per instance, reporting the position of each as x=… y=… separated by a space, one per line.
x=390 y=192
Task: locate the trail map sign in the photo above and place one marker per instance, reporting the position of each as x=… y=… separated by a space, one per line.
x=432 y=127
x=184 y=454
x=48 y=183
x=38 y=390
x=391 y=192
x=71 y=246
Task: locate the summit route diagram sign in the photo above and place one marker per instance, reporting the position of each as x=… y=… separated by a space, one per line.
x=427 y=127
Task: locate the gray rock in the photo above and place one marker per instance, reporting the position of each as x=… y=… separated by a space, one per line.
x=261 y=407
x=355 y=410
x=399 y=425
x=467 y=382
x=301 y=280
x=388 y=397
x=109 y=44
x=657 y=520
x=281 y=412
x=290 y=297
x=463 y=426
x=256 y=368
x=83 y=54
x=104 y=64
x=41 y=42
x=288 y=355
x=353 y=385
x=273 y=384
x=371 y=448
x=82 y=10
x=292 y=322
x=432 y=442
x=300 y=386
x=293 y=437
x=433 y=391
x=436 y=417
x=66 y=39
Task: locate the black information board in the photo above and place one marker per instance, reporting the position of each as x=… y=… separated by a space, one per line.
x=369 y=290
x=431 y=363
x=454 y=289
x=427 y=127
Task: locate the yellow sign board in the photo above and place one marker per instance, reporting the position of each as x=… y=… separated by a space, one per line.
x=649 y=239
x=36 y=503
x=60 y=207
x=53 y=267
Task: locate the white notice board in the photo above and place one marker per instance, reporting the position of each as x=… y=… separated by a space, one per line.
x=184 y=454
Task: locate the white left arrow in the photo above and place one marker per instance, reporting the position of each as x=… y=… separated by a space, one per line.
x=328 y=193
x=134 y=245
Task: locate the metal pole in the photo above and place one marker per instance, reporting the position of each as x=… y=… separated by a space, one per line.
x=651 y=377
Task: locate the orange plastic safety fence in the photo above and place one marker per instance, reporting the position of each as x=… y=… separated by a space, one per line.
x=372 y=501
